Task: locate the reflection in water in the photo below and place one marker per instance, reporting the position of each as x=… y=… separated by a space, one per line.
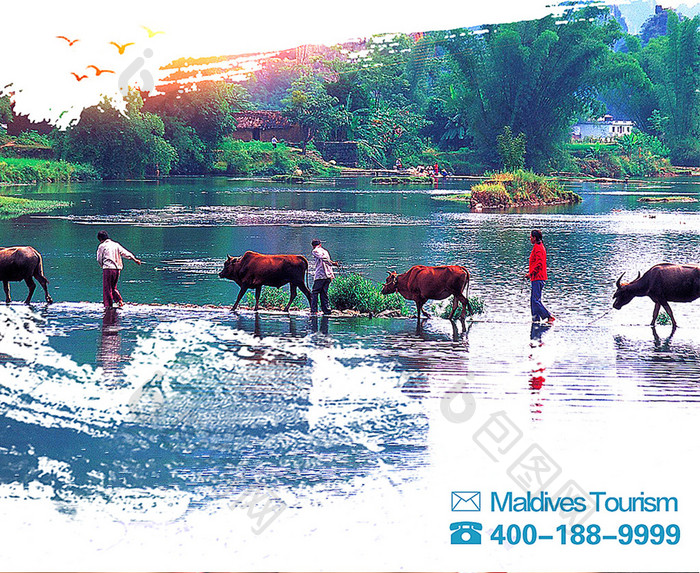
x=315 y=325
x=109 y=355
x=664 y=369
x=537 y=368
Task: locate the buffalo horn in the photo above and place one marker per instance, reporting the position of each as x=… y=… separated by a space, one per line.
x=639 y=274
x=619 y=279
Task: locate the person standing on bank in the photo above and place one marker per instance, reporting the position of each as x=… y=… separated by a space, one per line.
x=538 y=275
x=322 y=277
x=109 y=256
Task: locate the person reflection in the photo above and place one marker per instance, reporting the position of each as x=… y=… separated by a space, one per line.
x=537 y=369
x=315 y=324
x=109 y=347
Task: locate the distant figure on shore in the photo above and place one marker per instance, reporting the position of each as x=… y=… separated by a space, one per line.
x=537 y=274
x=274 y=142
x=398 y=164
x=436 y=169
x=322 y=277
x=109 y=257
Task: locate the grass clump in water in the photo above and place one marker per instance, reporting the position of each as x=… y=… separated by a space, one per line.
x=355 y=292
x=663 y=319
x=520 y=188
x=11 y=207
x=346 y=292
x=274 y=299
x=444 y=308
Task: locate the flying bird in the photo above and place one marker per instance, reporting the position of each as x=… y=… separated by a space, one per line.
x=79 y=78
x=70 y=42
x=99 y=72
x=122 y=47
x=151 y=33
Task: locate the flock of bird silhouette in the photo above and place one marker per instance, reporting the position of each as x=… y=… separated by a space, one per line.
x=120 y=47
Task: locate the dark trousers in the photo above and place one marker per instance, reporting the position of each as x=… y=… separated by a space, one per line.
x=539 y=312
x=110 y=294
x=320 y=288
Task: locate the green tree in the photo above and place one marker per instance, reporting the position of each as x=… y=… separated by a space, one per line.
x=382 y=72
x=309 y=105
x=672 y=63
x=191 y=158
x=511 y=149
x=268 y=86
x=119 y=145
x=208 y=110
x=535 y=76
x=389 y=133
x=5 y=109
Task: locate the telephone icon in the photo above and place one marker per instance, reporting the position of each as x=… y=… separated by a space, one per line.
x=471 y=529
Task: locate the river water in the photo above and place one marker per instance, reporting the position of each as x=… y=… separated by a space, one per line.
x=126 y=438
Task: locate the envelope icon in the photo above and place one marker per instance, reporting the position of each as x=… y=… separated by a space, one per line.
x=466 y=501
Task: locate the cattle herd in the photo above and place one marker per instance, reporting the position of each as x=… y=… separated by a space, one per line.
x=663 y=283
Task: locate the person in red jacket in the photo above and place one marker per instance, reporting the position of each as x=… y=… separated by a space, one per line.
x=537 y=274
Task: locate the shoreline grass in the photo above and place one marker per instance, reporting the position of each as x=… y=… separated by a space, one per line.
x=15 y=170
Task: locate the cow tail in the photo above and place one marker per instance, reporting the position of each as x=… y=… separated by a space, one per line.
x=40 y=266
x=465 y=290
x=306 y=273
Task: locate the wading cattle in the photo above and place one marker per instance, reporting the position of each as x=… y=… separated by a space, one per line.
x=254 y=271
x=421 y=283
x=22 y=264
x=662 y=283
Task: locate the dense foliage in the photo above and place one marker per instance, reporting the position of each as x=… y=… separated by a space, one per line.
x=120 y=145
x=635 y=155
x=502 y=97
x=19 y=170
x=249 y=158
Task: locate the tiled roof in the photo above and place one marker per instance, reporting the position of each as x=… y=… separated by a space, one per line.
x=264 y=119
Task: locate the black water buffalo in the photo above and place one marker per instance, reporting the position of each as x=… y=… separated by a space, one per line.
x=663 y=283
x=22 y=264
x=421 y=283
x=254 y=270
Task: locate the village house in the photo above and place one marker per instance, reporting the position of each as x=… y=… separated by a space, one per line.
x=601 y=129
x=263 y=125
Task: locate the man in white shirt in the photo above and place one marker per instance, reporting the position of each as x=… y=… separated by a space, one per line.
x=322 y=277
x=109 y=256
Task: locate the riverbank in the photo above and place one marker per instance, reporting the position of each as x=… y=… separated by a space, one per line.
x=16 y=170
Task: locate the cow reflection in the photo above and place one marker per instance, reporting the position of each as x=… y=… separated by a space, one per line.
x=663 y=368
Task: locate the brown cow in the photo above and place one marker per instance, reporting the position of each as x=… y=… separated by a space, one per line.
x=254 y=270
x=422 y=283
x=21 y=264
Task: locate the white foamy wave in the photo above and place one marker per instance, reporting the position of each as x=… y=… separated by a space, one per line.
x=42 y=386
x=242 y=215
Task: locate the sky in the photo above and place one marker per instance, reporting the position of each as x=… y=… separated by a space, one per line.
x=44 y=70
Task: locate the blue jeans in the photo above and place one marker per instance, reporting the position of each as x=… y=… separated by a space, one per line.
x=539 y=312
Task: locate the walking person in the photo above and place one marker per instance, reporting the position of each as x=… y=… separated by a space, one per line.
x=109 y=257
x=322 y=277
x=537 y=274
